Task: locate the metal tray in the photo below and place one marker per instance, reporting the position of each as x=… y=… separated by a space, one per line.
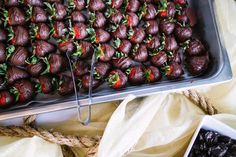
x=219 y=71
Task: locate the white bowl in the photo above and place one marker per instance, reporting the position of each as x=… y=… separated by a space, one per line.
x=212 y=124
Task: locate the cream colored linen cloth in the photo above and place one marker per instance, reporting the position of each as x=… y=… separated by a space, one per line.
x=154 y=126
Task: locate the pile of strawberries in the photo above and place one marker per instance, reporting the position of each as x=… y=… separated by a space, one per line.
x=134 y=41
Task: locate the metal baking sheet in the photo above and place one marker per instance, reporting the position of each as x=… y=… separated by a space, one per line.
x=218 y=72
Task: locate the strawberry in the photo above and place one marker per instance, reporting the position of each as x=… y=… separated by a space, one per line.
x=117 y=79
x=38 y=3
x=14 y=73
x=81 y=68
x=99 y=35
x=101 y=70
x=152 y=42
x=56 y=10
x=78 y=31
x=23 y=90
x=42 y=48
x=183 y=33
x=76 y=4
x=152 y=74
x=11 y=3
x=159 y=59
x=132 y=5
x=66 y=85
x=182 y=17
x=123 y=46
x=39 y=31
x=37 y=15
x=7 y=99
x=45 y=84
x=55 y=64
x=18 y=57
x=166 y=9
x=14 y=16
x=167 y=27
x=195 y=48
x=122 y=63
x=58 y=29
x=35 y=66
x=148 y=12
x=136 y=35
x=77 y=16
x=140 y=53
x=18 y=36
x=176 y=56
x=170 y=44
x=131 y=19
x=3 y=35
x=181 y=2
x=115 y=3
x=104 y=52
x=152 y=27
x=198 y=64
x=173 y=71
x=96 y=5
x=136 y=75
x=3 y=55
x=97 y=19
x=66 y=46
x=120 y=32
x=83 y=50
x=114 y=16
x=86 y=82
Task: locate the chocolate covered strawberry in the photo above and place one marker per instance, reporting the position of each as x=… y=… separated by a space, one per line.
x=18 y=36
x=120 y=31
x=152 y=42
x=35 y=66
x=45 y=84
x=136 y=35
x=38 y=3
x=152 y=27
x=14 y=73
x=183 y=33
x=122 y=63
x=170 y=43
x=99 y=35
x=83 y=49
x=66 y=85
x=159 y=59
x=197 y=64
x=14 y=16
x=115 y=3
x=39 y=31
x=97 y=19
x=76 y=4
x=37 y=15
x=3 y=55
x=77 y=16
x=167 y=27
x=174 y=71
x=166 y=9
x=176 y=56
x=132 y=5
x=55 y=64
x=23 y=90
x=140 y=53
x=96 y=5
x=19 y=56
x=148 y=12
x=78 y=31
x=66 y=46
x=42 y=48
x=104 y=52
x=152 y=74
x=81 y=68
x=182 y=17
x=11 y=3
x=136 y=75
x=85 y=82
x=101 y=70
x=123 y=46
x=6 y=99
x=131 y=19
x=181 y=2
x=114 y=16
x=3 y=35
x=117 y=79
x=58 y=29
x=195 y=48
x=57 y=11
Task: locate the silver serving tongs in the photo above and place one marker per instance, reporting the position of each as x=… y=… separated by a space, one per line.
x=88 y=118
